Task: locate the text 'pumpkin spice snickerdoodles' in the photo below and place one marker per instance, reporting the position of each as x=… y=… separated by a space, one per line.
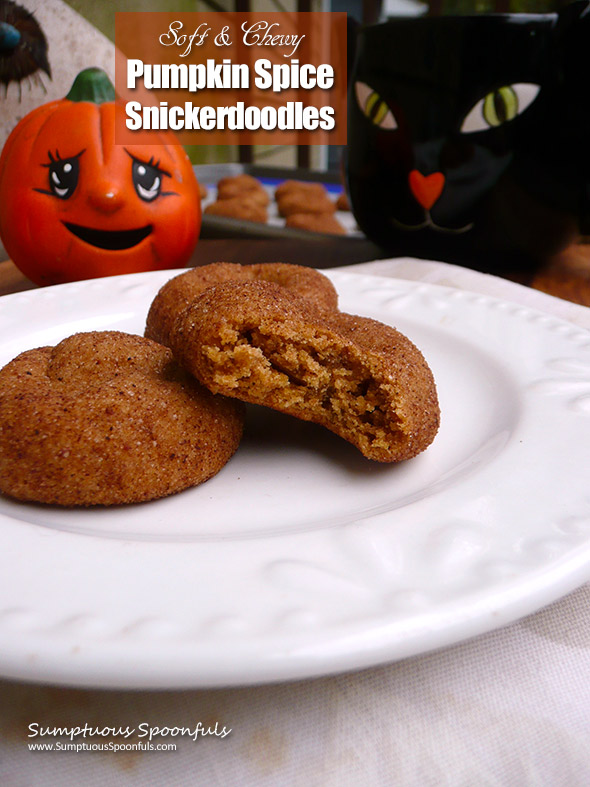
x=181 y=291
x=106 y=418
x=363 y=380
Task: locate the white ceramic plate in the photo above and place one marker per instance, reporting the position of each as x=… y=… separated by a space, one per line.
x=302 y=558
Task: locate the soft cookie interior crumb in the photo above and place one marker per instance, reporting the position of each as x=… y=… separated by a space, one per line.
x=359 y=378
x=311 y=380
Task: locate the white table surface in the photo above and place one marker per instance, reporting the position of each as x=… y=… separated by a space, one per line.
x=511 y=707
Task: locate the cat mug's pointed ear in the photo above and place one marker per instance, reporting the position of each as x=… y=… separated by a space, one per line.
x=572 y=13
x=572 y=29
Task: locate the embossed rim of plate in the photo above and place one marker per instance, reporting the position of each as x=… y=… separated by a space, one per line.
x=482 y=552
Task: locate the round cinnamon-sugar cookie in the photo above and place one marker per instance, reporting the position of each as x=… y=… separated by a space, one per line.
x=241 y=207
x=302 y=202
x=326 y=223
x=242 y=185
x=105 y=418
x=181 y=291
x=302 y=187
x=358 y=377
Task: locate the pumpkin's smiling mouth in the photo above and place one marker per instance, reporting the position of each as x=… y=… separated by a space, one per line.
x=112 y=240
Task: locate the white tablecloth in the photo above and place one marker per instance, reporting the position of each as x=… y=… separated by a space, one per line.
x=511 y=707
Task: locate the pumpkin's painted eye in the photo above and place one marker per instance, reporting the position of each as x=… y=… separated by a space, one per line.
x=500 y=106
x=374 y=107
x=63 y=175
x=147 y=180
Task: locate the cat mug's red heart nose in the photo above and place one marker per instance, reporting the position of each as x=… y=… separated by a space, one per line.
x=426 y=188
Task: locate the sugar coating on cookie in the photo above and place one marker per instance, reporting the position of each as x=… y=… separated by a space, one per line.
x=240 y=207
x=303 y=202
x=361 y=379
x=180 y=291
x=326 y=223
x=238 y=185
x=105 y=418
x=258 y=197
x=300 y=187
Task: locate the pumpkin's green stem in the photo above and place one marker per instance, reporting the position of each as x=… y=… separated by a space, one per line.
x=92 y=84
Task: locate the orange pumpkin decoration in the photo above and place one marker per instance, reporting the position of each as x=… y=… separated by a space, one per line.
x=74 y=205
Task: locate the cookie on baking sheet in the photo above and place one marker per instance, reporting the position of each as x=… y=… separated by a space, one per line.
x=257 y=197
x=301 y=187
x=105 y=418
x=241 y=207
x=359 y=378
x=316 y=222
x=242 y=185
x=180 y=291
x=301 y=202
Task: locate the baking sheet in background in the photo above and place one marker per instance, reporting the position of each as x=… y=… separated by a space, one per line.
x=221 y=227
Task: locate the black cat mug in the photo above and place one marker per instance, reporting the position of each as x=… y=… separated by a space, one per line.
x=469 y=136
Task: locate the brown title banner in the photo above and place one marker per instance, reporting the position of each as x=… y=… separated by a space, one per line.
x=232 y=78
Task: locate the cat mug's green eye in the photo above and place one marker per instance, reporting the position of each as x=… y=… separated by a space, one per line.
x=374 y=107
x=500 y=106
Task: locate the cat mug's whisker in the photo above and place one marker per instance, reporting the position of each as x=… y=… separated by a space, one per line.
x=452 y=230
x=411 y=227
x=428 y=223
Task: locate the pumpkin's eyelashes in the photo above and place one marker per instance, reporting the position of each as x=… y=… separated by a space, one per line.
x=54 y=159
x=151 y=163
